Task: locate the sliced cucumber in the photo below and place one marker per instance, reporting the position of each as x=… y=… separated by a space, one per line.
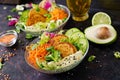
x=82 y=44
x=76 y=35
x=77 y=38
x=71 y=31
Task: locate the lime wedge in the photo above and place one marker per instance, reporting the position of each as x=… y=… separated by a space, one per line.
x=101 y=18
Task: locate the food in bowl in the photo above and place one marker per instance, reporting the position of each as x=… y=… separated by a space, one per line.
x=39 y=18
x=55 y=52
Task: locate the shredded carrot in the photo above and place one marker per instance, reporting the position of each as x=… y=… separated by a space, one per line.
x=58 y=13
x=31 y=56
x=40 y=52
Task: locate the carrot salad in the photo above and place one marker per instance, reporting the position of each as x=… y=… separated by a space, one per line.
x=58 y=13
x=39 y=52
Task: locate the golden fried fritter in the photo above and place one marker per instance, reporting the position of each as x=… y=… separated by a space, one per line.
x=65 y=48
x=36 y=16
x=57 y=39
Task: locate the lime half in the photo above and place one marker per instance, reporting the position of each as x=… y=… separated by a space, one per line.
x=101 y=18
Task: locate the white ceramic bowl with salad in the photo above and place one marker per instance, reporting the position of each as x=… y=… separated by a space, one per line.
x=56 y=53
x=45 y=16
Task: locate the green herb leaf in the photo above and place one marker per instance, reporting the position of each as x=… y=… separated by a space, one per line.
x=49 y=57
x=1 y=65
x=44 y=38
x=50 y=48
x=117 y=54
x=13 y=10
x=64 y=19
x=52 y=26
x=91 y=58
x=36 y=7
x=20 y=26
x=17 y=30
x=29 y=36
x=54 y=54
x=47 y=15
x=24 y=16
x=9 y=17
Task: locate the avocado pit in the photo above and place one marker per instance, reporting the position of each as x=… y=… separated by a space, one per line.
x=103 y=33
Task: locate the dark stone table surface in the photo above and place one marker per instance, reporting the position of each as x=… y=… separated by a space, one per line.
x=104 y=67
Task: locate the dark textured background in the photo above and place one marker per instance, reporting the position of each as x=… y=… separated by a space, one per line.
x=104 y=67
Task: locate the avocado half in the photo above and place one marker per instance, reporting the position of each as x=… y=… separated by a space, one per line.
x=101 y=34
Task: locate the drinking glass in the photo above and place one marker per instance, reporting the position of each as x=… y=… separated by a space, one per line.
x=79 y=9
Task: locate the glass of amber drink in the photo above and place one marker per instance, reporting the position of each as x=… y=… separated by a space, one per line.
x=79 y=9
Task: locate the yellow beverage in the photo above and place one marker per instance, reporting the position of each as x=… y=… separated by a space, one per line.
x=79 y=9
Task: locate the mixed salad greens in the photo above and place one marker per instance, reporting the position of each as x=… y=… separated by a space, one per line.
x=55 y=51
